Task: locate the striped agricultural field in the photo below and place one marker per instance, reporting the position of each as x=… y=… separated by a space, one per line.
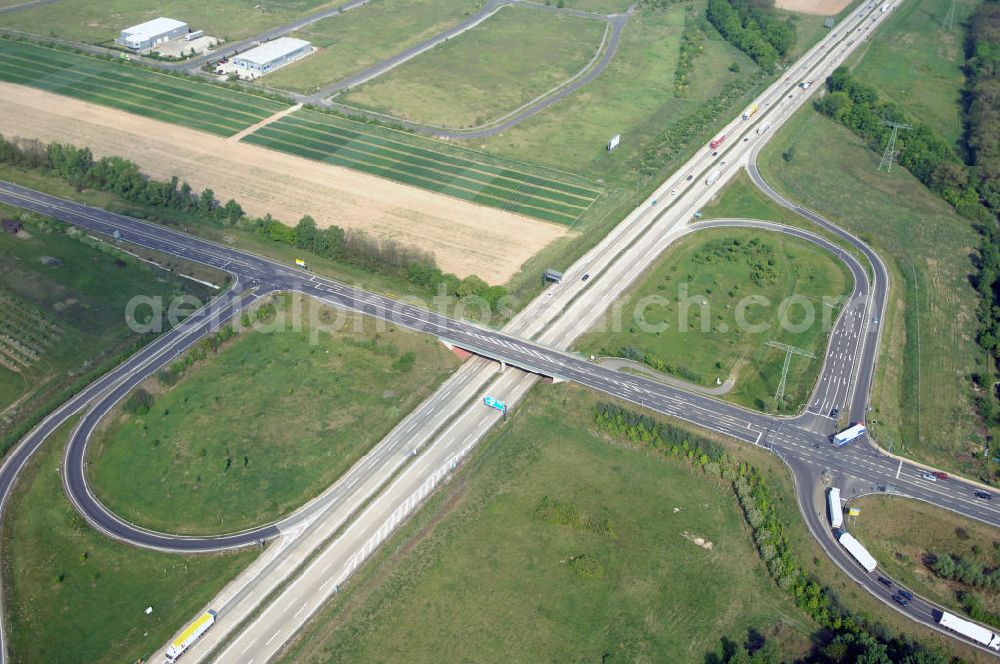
x=130 y=88
x=425 y=163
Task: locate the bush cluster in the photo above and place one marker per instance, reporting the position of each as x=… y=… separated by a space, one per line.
x=692 y=44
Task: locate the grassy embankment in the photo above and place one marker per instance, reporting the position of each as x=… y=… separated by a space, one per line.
x=905 y=535
x=477 y=77
x=252 y=432
x=72 y=594
x=922 y=397
x=65 y=319
x=707 y=280
x=364 y=36
x=101 y=22
x=491 y=571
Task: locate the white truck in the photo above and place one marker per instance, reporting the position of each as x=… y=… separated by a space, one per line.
x=713 y=177
x=836 y=511
x=764 y=127
x=847 y=435
x=190 y=634
x=858 y=552
x=977 y=633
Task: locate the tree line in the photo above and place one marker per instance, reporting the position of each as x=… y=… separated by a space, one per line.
x=844 y=637
x=124 y=179
x=753 y=29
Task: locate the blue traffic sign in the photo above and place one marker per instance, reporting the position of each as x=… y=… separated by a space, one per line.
x=494 y=403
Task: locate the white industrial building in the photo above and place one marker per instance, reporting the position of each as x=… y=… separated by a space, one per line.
x=149 y=34
x=270 y=56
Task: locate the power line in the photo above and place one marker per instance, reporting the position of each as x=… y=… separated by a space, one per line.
x=890 y=149
x=789 y=351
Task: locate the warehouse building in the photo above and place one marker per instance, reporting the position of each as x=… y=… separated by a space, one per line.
x=149 y=34
x=270 y=56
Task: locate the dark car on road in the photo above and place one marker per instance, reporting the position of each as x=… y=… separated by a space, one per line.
x=899 y=599
x=885 y=582
x=834 y=413
x=984 y=495
x=585 y=277
x=906 y=594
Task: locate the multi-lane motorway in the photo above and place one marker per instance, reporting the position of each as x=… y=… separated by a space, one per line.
x=535 y=342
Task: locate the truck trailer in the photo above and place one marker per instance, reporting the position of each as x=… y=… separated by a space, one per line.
x=764 y=127
x=858 y=552
x=717 y=142
x=836 y=511
x=977 y=633
x=713 y=177
x=191 y=633
x=847 y=435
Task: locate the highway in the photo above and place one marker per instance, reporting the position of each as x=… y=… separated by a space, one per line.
x=535 y=343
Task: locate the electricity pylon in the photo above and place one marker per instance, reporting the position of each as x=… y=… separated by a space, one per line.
x=890 y=149
x=789 y=351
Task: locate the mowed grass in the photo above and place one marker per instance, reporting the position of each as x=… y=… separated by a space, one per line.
x=425 y=163
x=73 y=595
x=100 y=22
x=130 y=88
x=904 y=536
x=634 y=97
x=922 y=396
x=916 y=63
x=60 y=322
x=266 y=424
x=479 y=76
x=478 y=576
x=363 y=36
x=692 y=315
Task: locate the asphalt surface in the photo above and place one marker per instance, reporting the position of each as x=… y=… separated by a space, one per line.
x=803 y=442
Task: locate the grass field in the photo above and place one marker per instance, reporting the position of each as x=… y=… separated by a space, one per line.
x=361 y=37
x=422 y=162
x=101 y=22
x=73 y=595
x=740 y=199
x=922 y=397
x=485 y=579
x=169 y=98
x=634 y=97
x=917 y=64
x=62 y=321
x=477 y=77
x=703 y=283
x=266 y=424
x=549 y=449
x=904 y=535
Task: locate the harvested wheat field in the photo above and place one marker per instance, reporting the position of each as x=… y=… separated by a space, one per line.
x=465 y=238
x=819 y=7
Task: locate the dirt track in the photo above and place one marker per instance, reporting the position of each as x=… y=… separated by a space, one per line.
x=465 y=238
x=819 y=7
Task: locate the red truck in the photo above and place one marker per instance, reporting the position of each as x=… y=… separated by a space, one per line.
x=717 y=142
